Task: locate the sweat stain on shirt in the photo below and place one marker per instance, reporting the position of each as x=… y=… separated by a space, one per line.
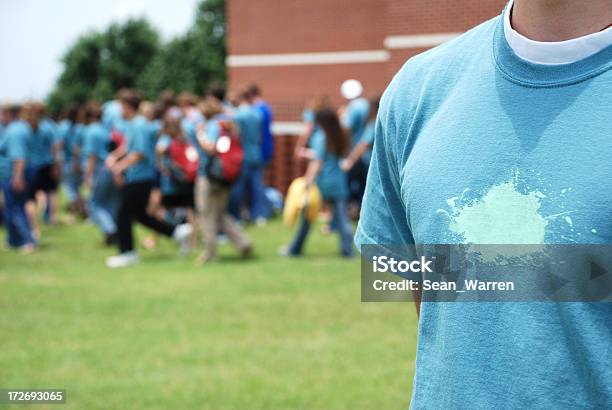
x=503 y=215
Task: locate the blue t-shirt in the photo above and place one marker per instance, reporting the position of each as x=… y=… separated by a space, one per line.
x=166 y=184
x=44 y=138
x=18 y=143
x=67 y=135
x=356 y=117
x=248 y=119
x=267 y=140
x=213 y=130
x=331 y=180
x=474 y=145
x=96 y=142
x=141 y=138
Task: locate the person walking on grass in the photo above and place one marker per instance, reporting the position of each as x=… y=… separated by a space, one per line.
x=133 y=168
x=249 y=189
x=488 y=139
x=328 y=144
x=15 y=151
x=212 y=194
x=102 y=204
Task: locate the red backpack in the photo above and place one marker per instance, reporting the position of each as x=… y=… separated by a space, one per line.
x=224 y=166
x=183 y=161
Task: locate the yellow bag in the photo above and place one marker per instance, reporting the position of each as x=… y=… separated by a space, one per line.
x=299 y=201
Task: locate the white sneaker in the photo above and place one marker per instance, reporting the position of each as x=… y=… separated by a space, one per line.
x=182 y=234
x=123 y=260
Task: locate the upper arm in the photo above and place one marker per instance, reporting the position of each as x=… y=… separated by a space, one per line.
x=17 y=149
x=383 y=219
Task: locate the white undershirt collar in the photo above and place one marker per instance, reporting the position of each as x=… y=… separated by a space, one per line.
x=554 y=53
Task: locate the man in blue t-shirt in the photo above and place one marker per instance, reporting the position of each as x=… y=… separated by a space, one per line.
x=354 y=121
x=267 y=139
x=45 y=162
x=502 y=136
x=6 y=115
x=250 y=185
x=103 y=199
x=133 y=167
x=15 y=150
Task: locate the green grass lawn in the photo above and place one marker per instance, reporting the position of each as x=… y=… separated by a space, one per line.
x=268 y=333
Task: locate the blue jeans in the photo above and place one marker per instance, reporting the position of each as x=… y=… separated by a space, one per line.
x=15 y=218
x=104 y=201
x=343 y=226
x=249 y=187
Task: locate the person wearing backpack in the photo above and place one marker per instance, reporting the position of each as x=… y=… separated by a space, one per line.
x=221 y=158
x=178 y=162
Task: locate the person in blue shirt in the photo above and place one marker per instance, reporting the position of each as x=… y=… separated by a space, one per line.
x=354 y=120
x=478 y=142
x=362 y=151
x=16 y=149
x=176 y=182
x=133 y=168
x=329 y=144
x=103 y=200
x=310 y=126
x=71 y=175
x=45 y=162
x=250 y=186
x=267 y=116
x=7 y=113
x=211 y=197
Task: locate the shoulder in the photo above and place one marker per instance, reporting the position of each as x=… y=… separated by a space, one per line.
x=449 y=59
x=427 y=78
x=17 y=129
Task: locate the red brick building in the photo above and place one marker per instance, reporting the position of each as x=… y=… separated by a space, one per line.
x=299 y=49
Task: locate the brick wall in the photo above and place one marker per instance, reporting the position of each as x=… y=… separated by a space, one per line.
x=272 y=27
x=305 y=26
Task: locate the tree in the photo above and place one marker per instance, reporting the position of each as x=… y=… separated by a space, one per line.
x=130 y=55
x=194 y=61
x=98 y=64
x=81 y=72
x=210 y=40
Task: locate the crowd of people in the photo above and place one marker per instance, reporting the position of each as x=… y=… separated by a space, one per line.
x=187 y=167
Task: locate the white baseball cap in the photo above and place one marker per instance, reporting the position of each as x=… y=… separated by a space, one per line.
x=351 y=89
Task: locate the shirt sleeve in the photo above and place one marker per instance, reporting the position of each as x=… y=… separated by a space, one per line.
x=383 y=219
x=17 y=145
